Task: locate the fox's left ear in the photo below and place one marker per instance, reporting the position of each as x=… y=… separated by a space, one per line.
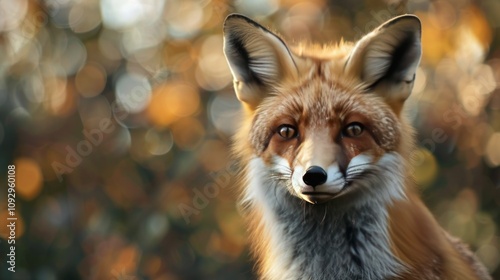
x=259 y=60
x=387 y=58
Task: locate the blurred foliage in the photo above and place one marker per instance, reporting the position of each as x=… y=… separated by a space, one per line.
x=117 y=115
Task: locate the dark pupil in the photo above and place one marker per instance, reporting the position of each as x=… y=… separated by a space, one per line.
x=286 y=132
x=355 y=130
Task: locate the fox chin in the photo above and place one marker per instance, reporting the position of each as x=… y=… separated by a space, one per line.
x=325 y=147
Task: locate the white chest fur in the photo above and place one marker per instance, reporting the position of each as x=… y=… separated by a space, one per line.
x=320 y=241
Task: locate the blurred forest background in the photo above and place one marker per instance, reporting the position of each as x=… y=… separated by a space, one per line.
x=118 y=116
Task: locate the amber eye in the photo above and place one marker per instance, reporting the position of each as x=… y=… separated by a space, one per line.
x=287 y=131
x=353 y=129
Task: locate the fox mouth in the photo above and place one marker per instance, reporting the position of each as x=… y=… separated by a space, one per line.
x=318 y=197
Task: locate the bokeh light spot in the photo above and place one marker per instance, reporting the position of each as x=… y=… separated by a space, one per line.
x=184 y=19
x=171 y=101
x=90 y=80
x=224 y=111
x=93 y=111
x=493 y=150
x=158 y=142
x=257 y=7
x=71 y=56
x=57 y=100
x=188 y=133
x=29 y=178
x=489 y=255
x=12 y=13
x=425 y=165
x=125 y=262
x=133 y=92
x=84 y=17
x=211 y=74
x=122 y=14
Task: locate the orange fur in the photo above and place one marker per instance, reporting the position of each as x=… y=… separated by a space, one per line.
x=421 y=243
x=324 y=91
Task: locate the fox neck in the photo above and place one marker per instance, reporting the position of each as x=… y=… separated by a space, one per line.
x=297 y=240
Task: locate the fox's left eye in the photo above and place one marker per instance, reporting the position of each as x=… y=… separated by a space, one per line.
x=287 y=131
x=353 y=129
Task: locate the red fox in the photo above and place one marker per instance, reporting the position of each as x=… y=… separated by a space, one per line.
x=325 y=146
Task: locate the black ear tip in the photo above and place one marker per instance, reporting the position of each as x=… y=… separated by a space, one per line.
x=231 y=17
x=409 y=17
x=235 y=19
x=414 y=19
x=410 y=21
x=235 y=15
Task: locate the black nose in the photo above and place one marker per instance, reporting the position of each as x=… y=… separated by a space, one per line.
x=314 y=176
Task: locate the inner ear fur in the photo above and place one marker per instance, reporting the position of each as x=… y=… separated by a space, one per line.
x=386 y=59
x=259 y=60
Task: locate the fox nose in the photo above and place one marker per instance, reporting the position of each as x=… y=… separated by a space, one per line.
x=314 y=176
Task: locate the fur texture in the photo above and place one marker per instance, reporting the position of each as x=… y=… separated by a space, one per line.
x=340 y=110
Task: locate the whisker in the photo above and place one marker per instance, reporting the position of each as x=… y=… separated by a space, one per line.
x=278 y=177
x=304 y=211
x=286 y=168
x=324 y=216
x=355 y=168
x=350 y=177
x=341 y=178
x=282 y=171
x=355 y=173
x=360 y=164
x=276 y=194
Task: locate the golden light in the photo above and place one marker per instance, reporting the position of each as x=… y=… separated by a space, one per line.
x=436 y=43
x=29 y=178
x=442 y=15
x=58 y=99
x=172 y=101
x=425 y=166
x=210 y=73
x=127 y=260
x=185 y=18
x=478 y=24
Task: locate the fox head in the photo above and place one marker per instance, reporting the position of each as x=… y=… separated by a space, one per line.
x=325 y=123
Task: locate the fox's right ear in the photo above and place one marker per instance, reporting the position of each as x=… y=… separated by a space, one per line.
x=259 y=60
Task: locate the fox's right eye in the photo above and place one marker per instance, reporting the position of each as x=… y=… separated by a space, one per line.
x=353 y=129
x=287 y=131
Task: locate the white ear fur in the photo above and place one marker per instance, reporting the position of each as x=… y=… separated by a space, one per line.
x=387 y=58
x=259 y=60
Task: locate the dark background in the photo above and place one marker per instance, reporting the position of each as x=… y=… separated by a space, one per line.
x=132 y=101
